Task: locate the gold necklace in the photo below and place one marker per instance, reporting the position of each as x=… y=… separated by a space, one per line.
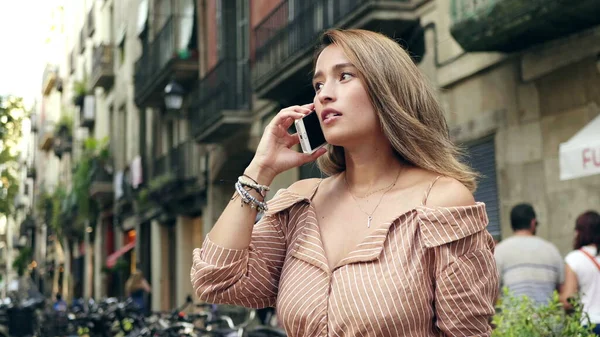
x=370 y=216
x=378 y=190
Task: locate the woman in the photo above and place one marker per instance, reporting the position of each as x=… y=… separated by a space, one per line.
x=136 y=288
x=391 y=244
x=582 y=271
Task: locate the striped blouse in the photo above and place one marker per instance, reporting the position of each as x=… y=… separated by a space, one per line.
x=430 y=272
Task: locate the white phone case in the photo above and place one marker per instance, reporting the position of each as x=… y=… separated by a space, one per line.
x=304 y=142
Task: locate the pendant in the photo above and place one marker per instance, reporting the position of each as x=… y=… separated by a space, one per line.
x=369 y=222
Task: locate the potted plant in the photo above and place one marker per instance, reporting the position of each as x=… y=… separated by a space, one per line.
x=63 y=140
x=22 y=260
x=93 y=165
x=79 y=91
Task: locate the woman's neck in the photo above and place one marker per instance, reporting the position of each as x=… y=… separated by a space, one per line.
x=371 y=167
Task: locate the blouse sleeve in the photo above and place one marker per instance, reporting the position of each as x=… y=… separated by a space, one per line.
x=247 y=277
x=466 y=277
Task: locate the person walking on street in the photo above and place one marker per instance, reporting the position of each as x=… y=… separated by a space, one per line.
x=137 y=289
x=528 y=265
x=582 y=271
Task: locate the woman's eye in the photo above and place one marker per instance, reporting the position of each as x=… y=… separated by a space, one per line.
x=318 y=86
x=346 y=76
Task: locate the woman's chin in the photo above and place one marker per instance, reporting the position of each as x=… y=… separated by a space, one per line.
x=343 y=140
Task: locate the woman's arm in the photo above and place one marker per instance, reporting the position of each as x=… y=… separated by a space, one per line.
x=274 y=154
x=248 y=277
x=146 y=286
x=569 y=288
x=465 y=272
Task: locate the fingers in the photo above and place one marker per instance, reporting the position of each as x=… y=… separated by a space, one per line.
x=309 y=106
x=312 y=157
x=293 y=112
x=291 y=140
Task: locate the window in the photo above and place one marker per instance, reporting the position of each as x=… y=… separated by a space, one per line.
x=482 y=158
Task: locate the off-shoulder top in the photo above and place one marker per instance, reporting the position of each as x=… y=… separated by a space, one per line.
x=430 y=272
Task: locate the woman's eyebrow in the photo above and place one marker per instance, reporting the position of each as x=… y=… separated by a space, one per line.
x=336 y=67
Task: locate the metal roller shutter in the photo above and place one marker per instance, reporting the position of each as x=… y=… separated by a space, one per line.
x=482 y=158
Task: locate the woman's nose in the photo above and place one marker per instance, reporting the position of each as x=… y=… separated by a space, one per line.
x=326 y=94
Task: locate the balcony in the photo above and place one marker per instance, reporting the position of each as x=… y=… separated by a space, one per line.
x=103 y=74
x=34 y=120
x=91 y=22
x=87 y=112
x=284 y=47
x=49 y=79
x=513 y=25
x=46 y=136
x=101 y=186
x=160 y=62
x=221 y=104
x=31 y=173
x=178 y=182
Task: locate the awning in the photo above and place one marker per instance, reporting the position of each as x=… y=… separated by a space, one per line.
x=186 y=24
x=580 y=155
x=142 y=16
x=112 y=258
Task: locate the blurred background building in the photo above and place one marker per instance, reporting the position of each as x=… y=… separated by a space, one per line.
x=150 y=109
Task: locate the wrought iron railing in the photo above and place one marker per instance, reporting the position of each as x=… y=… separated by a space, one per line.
x=182 y=161
x=187 y=161
x=160 y=166
x=225 y=87
x=289 y=30
x=155 y=55
x=102 y=59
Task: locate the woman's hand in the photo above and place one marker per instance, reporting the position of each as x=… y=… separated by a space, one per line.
x=274 y=154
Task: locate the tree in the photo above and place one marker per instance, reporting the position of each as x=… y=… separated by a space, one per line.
x=12 y=114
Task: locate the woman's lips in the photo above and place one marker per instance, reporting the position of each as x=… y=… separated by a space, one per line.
x=331 y=118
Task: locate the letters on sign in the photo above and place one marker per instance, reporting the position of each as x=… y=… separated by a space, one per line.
x=591 y=156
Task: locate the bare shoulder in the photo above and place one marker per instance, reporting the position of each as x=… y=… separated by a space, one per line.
x=449 y=192
x=304 y=187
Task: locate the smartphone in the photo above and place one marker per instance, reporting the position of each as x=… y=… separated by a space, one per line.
x=310 y=133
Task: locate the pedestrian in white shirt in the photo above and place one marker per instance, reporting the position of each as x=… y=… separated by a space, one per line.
x=582 y=271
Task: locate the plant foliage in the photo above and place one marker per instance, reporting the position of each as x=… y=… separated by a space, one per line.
x=12 y=113
x=521 y=316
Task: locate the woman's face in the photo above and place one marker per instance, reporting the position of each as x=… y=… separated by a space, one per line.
x=341 y=100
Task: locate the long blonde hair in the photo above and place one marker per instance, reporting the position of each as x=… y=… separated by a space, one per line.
x=134 y=282
x=410 y=115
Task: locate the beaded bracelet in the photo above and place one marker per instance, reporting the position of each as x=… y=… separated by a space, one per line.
x=248 y=199
x=262 y=189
